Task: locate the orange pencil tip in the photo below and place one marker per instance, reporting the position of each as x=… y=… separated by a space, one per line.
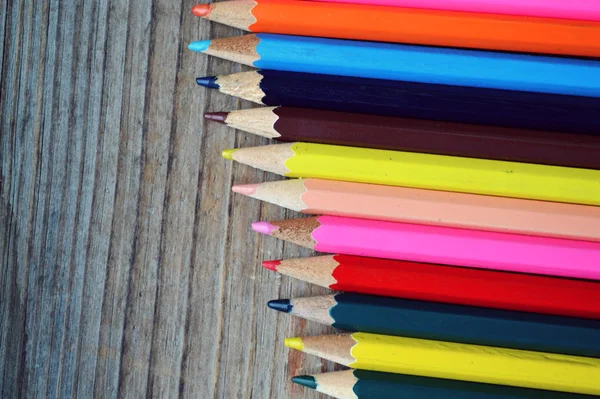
x=201 y=10
x=271 y=264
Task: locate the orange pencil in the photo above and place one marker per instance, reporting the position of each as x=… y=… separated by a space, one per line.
x=409 y=25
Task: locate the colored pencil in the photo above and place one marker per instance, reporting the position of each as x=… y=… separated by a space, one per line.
x=360 y=130
x=585 y=10
x=446 y=284
x=437 y=172
x=461 y=104
x=456 y=361
x=363 y=384
x=375 y=60
x=437 y=208
x=445 y=245
x=408 y=25
x=446 y=322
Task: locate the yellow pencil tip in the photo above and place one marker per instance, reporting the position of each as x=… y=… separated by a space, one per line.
x=228 y=154
x=294 y=343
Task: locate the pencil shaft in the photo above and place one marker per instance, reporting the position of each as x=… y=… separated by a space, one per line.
x=577 y=9
x=412 y=63
x=476 y=363
x=414 y=26
x=460 y=104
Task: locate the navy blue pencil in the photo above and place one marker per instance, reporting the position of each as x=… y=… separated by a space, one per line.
x=471 y=105
x=447 y=322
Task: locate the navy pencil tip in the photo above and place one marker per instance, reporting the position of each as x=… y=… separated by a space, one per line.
x=281 y=305
x=209 y=81
x=306 y=381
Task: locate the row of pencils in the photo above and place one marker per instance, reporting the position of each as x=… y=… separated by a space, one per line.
x=456 y=187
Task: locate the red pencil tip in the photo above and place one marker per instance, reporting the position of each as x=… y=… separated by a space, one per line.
x=271 y=264
x=201 y=10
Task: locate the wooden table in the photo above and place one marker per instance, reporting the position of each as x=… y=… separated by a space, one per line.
x=128 y=268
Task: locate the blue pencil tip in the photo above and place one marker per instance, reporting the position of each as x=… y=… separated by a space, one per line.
x=199 y=46
x=208 y=81
x=281 y=305
x=306 y=381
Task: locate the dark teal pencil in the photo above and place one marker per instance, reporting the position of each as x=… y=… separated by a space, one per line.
x=447 y=322
x=361 y=384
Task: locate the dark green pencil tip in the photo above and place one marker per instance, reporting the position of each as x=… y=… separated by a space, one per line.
x=209 y=81
x=306 y=381
x=282 y=305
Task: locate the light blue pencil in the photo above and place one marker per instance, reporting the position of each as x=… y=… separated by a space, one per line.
x=410 y=63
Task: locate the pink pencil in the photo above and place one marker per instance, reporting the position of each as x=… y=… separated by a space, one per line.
x=445 y=245
x=587 y=10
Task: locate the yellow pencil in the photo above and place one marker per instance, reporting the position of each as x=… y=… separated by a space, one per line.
x=436 y=172
x=456 y=361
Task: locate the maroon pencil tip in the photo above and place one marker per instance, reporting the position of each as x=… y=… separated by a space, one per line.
x=220 y=117
x=271 y=264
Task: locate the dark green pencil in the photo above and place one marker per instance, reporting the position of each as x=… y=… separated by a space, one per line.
x=361 y=384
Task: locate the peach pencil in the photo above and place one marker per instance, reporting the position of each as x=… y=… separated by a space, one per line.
x=441 y=208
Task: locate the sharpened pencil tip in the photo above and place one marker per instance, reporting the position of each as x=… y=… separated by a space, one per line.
x=263 y=227
x=201 y=10
x=199 y=46
x=228 y=154
x=245 y=189
x=281 y=305
x=271 y=264
x=306 y=381
x=220 y=117
x=294 y=343
x=209 y=82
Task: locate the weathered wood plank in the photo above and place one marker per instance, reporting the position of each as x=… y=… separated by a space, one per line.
x=129 y=269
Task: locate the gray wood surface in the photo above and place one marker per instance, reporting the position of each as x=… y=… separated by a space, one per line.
x=128 y=268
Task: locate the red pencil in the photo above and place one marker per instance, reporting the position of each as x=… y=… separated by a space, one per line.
x=457 y=285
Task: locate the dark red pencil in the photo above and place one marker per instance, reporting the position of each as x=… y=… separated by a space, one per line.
x=433 y=137
x=456 y=285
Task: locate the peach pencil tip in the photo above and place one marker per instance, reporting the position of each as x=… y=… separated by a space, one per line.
x=199 y=46
x=263 y=227
x=245 y=189
x=271 y=264
x=201 y=10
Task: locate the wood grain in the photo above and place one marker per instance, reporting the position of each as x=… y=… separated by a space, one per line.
x=128 y=268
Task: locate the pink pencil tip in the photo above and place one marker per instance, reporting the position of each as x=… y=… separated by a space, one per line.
x=271 y=264
x=245 y=189
x=263 y=227
x=201 y=10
